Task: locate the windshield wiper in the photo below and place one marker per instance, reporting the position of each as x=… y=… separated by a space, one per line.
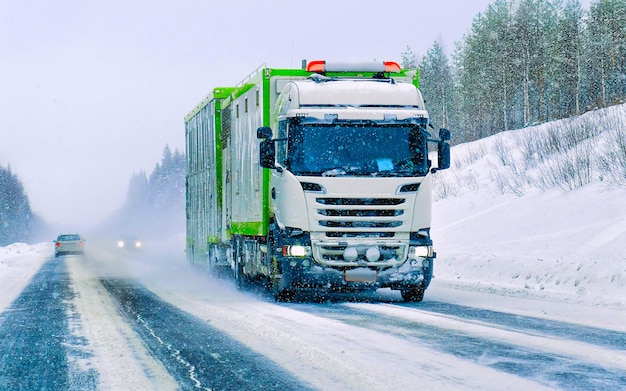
x=387 y=173
x=339 y=171
x=343 y=171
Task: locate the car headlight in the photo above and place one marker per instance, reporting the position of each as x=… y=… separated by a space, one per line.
x=120 y=243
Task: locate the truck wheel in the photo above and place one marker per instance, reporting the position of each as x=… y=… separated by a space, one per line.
x=279 y=292
x=413 y=295
x=276 y=285
x=284 y=295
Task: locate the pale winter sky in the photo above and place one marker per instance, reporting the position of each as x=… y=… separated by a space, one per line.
x=91 y=92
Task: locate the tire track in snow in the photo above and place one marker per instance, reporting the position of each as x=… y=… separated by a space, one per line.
x=38 y=349
x=509 y=343
x=197 y=355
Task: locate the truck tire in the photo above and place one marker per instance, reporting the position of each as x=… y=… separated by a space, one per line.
x=284 y=295
x=275 y=283
x=412 y=295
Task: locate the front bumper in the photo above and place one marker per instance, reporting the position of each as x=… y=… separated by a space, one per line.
x=303 y=273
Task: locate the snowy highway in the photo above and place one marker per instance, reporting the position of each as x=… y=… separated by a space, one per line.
x=111 y=321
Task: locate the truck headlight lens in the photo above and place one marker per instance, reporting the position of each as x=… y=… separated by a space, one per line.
x=296 y=251
x=420 y=252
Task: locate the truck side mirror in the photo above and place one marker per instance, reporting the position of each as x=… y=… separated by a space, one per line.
x=264 y=133
x=444 y=134
x=443 y=156
x=267 y=150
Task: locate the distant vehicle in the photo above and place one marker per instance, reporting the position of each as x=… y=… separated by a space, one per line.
x=129 y=242
x=69 y=244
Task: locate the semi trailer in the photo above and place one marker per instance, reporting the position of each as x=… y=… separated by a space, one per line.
x=315 y=179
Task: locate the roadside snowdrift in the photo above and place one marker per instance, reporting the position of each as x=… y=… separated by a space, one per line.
x=18 y=263
x=538 y=210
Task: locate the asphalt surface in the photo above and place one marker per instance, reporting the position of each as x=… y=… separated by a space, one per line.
x=38 y=351
x=41 y=347
x=197 y=355
x=552 y=370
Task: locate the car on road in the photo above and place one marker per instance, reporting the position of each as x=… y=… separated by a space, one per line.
x=129 y=242
x=69 y=244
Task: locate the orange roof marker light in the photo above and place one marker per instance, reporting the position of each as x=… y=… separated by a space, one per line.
x=323 y=66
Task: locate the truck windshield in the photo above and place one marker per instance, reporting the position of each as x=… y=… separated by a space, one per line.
x=356 y=150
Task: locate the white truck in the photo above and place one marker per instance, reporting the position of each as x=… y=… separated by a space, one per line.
x=315 y=179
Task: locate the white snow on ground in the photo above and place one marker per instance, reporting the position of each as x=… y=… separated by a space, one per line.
x=501 y=236
x=328 y=354
x=121 y=358
x=497 y=230
x=18 y=263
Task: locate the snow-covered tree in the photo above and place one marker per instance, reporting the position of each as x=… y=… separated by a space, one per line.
x=436 y=82
x=15 y=213
x=409 y=60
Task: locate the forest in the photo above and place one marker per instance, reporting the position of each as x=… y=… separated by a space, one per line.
x=523 y=63
x=155 y=203
x=16 y=218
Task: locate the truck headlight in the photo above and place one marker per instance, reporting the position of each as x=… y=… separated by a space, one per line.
x=420 y=252
x=296 y=251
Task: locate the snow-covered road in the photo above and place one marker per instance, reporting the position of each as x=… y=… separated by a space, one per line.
x=112 y=321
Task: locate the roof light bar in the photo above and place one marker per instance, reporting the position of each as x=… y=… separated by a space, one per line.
x=323 y=66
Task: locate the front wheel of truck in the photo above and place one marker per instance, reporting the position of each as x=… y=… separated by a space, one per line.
x=277 y=285
x=412 y=295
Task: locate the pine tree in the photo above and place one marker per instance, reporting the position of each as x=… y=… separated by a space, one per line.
x=567 y=57
x=155 y=204
x=15 y=213
x=484 y=64
x=437 y=85
x=409 y=60
x=606 y=59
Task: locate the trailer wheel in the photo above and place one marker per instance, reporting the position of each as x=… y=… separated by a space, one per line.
x=412 y=295
x=212 y=260
x=240 y=278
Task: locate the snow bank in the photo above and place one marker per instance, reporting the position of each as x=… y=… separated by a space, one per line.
x=18 y=263
x=498 y=226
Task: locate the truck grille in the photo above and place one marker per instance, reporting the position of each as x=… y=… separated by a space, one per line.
x=374 y=217
x=360 y=201
x=360 y=223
